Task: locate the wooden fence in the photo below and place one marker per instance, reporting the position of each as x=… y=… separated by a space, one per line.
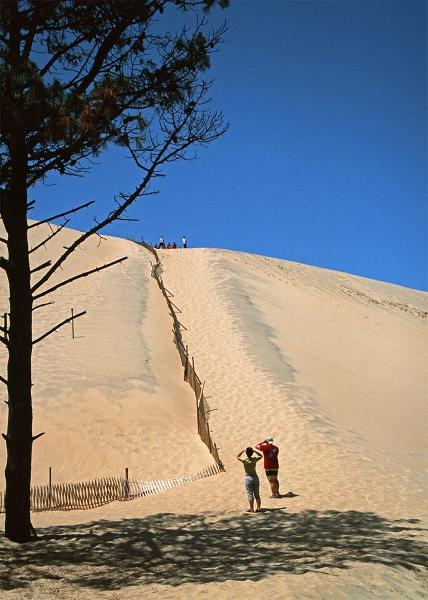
x=187 y=361
x=90 y=494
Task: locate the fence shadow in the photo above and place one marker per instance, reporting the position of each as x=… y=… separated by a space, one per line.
x=187 y=361
x=174 y=549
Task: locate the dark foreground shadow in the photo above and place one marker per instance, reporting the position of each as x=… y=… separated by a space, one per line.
x=175 y=549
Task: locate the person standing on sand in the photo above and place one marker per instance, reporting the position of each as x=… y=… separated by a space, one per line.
x=184 y=241
x=251 y=479
x=271 y=465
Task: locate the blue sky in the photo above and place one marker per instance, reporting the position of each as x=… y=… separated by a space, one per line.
x=325 y=161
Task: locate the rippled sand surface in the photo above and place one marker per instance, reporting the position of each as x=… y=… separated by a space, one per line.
x=331 y=365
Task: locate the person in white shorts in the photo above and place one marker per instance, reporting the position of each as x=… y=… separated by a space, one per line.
x=251 y=479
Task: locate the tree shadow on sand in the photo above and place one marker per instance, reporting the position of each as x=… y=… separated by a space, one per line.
x=176 y=549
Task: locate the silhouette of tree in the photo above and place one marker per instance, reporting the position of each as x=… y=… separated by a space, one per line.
x=77 y=76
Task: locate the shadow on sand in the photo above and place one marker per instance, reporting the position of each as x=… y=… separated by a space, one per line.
x=175 y=549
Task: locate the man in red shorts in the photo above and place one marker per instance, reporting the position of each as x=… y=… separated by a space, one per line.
x=271 y=465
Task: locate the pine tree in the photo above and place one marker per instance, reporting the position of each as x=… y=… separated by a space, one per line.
x=76 y=77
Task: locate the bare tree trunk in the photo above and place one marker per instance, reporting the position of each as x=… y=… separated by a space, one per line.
x=19 y=431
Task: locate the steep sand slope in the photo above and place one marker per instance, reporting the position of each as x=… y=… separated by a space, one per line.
x=114 y=396
x=332 y=365
x=329 y=364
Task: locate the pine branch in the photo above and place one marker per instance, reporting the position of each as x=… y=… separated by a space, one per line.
x=100 y=56
x=42 y=266
x=29 y=38
x=42 y=305
x=67 y=212
x=85 y=274
x=45 y=335
x=106 y=221
x=59 y=54
x=53 y=234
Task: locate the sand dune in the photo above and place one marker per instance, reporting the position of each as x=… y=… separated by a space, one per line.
x=114 y=396
x=331 y=365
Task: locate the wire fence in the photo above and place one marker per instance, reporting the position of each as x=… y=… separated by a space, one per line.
x=97 y=492
x=187 y=361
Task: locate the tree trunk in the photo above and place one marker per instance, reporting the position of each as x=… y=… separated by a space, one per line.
x=19 y=431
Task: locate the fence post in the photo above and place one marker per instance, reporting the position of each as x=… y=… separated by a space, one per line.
x=198 y=399
x=126 y=483
x=193 y=373
x=187 y=363
x=50 y=487
x=209 y=437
